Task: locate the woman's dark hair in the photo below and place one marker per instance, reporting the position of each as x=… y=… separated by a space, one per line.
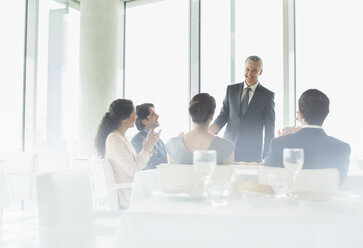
x=119 y=110
x=202 y=107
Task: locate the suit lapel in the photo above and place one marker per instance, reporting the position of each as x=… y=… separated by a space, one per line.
x=236 y=97
x=240 y=90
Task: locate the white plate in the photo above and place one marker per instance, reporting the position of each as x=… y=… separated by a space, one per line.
x=323 y=195
x=182 y=192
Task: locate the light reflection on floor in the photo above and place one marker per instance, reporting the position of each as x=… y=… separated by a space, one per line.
x=20 y=226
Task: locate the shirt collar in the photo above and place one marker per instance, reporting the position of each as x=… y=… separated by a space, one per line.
x=253 y=87
x=147 y=130
x=312 y=126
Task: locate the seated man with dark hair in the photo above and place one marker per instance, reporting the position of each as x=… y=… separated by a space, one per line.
x=320 y=150
x=148 y=119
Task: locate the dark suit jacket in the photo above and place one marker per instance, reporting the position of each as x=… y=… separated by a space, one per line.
x=159 y=153
x=246 y=132
x=320 y=150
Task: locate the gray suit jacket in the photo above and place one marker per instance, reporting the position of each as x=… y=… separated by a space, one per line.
x=246 y=132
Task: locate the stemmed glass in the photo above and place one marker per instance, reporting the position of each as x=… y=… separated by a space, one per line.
x=204 y=163
x=293 y=161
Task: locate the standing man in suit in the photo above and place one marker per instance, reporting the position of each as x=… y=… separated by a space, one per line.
x=249 y=110
x=320 y=150
x=148 y=119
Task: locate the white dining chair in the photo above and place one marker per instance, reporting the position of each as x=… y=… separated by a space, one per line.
x=22 y=171
x=175 y=175
x=65 y=211
x=268 y=175
x=4 y=197
x=353 y=183
x=317 y=180
x=105 y=185
x=306 y=180
x=50 y=161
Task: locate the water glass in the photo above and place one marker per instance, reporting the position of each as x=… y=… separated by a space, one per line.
x=217 y=192
x=293 y=160
x=278 y=184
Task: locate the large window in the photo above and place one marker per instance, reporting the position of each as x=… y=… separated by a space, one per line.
x=215 y=58
x=12 y=26
x=259 y=31
x=329 y=58
x=229 y=34
x=156 y=61
x=57 y=84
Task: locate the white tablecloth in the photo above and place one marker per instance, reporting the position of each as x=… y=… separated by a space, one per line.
x=161 y=222
x=156 y=221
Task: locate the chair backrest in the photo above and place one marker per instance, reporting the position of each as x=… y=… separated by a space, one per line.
x=282 y=174
x=65 y=209
x=269 y=175
x=4 y=193
x=19 y=162
x=317 y=180
x=171 y=175
x=306 y=180
x=112 y=192
x=106 y=195
x=22 y=168
x=353 y=183
x=174 y=175
x=51 y=161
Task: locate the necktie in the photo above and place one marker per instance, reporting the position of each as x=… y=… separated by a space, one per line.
x=244 y=103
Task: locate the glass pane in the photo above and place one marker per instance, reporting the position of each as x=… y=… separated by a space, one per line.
x=58 y=80
x=215 y=49
x=157 y=61
x=329 y=53
x=12 y=26
x=259 y=31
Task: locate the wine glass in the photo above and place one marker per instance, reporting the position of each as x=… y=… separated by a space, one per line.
x=293 y=161
x=204 y=163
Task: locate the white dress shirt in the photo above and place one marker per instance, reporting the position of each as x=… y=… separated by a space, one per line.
x=312 y=126
x=251 y=93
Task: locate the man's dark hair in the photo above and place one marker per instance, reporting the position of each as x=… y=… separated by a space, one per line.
x=314 y=105
x=142 y=111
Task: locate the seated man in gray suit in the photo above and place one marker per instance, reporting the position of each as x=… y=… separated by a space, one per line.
x=148 y=119
x=320 y=150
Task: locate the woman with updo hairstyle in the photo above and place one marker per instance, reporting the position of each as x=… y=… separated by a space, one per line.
x=180 y=149
x=111 y=143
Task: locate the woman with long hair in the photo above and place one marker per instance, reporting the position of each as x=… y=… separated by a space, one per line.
x=180 y=149
x=111 y=143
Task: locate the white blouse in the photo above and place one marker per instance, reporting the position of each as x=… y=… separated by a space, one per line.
x=125 y=162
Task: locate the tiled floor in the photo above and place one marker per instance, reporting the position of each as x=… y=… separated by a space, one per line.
x=20 y=227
